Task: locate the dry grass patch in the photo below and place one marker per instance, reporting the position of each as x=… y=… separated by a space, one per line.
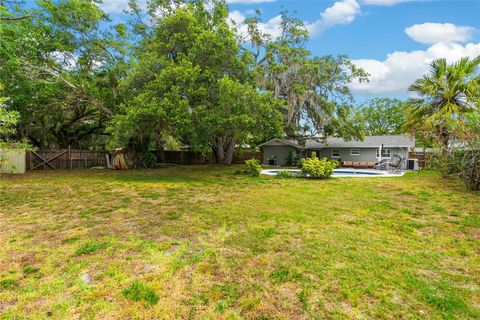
x=204 y=243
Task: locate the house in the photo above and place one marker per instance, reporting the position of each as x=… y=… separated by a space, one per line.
x=373 y=149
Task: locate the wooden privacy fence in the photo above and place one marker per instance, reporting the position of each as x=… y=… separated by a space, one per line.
x=65 y=159
x=422 y=157
x=82 y=159
x=183 y=157
x=240 y=157
x=192 y=158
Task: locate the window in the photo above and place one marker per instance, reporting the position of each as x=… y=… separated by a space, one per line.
x=386 y=153
x=355 y=152
x=335 y=153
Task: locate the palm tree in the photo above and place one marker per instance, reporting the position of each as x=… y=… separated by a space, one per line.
x=442 y=97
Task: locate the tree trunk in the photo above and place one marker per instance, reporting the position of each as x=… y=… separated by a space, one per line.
x=444 y=140
x=220 y=151
x=229 y=152
x=224 y=151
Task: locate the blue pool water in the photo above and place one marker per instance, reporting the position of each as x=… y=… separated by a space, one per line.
x=336 y=172
x=350 y=172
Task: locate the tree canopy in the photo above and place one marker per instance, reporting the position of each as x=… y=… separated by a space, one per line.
x=381 y=116
x=191 y=83
x=444 y=97
x=177 y=74
x=314 y=89
x=61 y=70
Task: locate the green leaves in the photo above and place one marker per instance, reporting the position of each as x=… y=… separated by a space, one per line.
x=444 y=95
x=381 y=116
x=192 y=82
x=315 y=89
x=318 y=168
x=61 y=68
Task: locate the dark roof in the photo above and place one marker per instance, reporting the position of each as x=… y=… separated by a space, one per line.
x=401 y=140
x=279 y=142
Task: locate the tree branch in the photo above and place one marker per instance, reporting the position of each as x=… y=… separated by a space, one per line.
x=15 y=18
x=80 y=89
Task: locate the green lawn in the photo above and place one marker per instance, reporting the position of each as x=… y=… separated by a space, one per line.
x=204 y=243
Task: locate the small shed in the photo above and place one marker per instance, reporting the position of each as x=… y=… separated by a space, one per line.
x=12 y=161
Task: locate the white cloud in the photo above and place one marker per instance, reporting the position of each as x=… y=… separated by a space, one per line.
x=114 y=6
x=119 y=6
x=271 y=27
x=237 y=20
x=384 y=2
x=341 y=12
x=430 y=33
x=237 y=17
x=248 y=1
x=400 y=69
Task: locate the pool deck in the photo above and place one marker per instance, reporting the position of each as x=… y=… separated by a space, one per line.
x=359 y=173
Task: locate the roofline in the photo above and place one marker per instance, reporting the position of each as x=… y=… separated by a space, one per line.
x=359 y=147
x=280 y=140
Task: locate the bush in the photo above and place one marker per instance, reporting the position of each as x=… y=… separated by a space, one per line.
x=318 y=168
x=466 y=165
x=291 y=159
x=284 y=174
x=149 y=160
x=253 y=167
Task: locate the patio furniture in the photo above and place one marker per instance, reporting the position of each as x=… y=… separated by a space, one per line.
x=392 y=166
x=347 y=163
x=371 y=164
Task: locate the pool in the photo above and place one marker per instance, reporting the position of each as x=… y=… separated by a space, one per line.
x=339 y=172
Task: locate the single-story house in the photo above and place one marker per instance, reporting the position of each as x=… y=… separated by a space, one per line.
x=373 y=149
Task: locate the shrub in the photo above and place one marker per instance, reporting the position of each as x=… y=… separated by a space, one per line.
x=466 y=165
x=139 y=291
x=149 y=160
x=318 y=168
x=253 y=167
x=291 y=159
x=284 y=174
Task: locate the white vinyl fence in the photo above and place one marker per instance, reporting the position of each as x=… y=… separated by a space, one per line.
x=12 y=161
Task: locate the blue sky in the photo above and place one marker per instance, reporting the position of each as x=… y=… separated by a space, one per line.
x=393 y=40
x=376 y=29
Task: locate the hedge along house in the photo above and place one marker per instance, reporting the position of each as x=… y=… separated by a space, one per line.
x=373 y=149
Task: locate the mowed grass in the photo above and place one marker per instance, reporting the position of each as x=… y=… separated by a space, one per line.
x=204 y=243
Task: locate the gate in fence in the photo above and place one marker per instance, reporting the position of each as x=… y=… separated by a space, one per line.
x=83 y=159
x=65 y=159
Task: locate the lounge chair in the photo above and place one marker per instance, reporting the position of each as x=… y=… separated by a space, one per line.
x=392 y=166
